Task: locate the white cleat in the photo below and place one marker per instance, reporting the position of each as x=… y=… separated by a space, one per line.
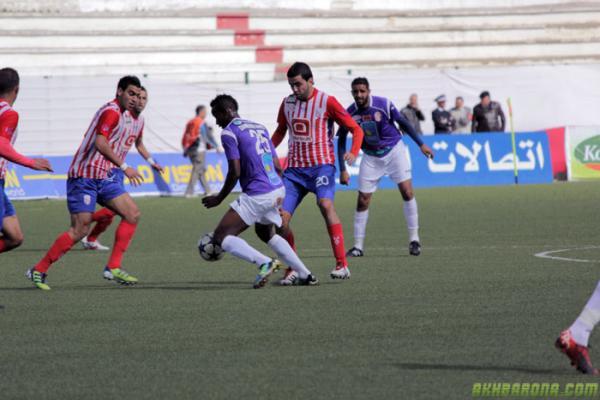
x=107 y=274
x=290 y=278
x=340 y=273
x=95 y=245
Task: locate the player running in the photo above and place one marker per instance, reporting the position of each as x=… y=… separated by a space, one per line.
x=89 y=184
x=104 y=217
x=573 y=342
x=11 y=235
x=309 y=115
x=384 y=154
x=251 y=159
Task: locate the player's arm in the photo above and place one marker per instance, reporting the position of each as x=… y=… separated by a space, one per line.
x=7 y=151
x=281 y=130
x=341 y=151
x=230 y=145
x=407 y=128
x=141 y=148
x=344 y=120
x=107 y=123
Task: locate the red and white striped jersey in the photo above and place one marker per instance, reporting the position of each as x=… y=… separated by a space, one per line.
x=134 y=128
x=88 y=162
x=310 y=124
x=8 y=129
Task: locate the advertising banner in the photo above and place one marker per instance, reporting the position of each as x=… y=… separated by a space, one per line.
x=583 y=152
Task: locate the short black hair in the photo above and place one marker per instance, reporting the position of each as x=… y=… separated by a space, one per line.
x=223 y=102
x=483 y=94
x=9 y=79
x=300 y=68
x=129 y=80
x=144 y=89
x=200 y=108
x=360 y=81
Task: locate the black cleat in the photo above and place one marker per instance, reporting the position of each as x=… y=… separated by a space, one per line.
x=414 y=248
x=355 y=252
x=310 y=280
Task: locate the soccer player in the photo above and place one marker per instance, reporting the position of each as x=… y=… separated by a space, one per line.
x=384 y=154
x=89 y=184
x=253 y=161
x=104 y=217
x=573 y=342
x=309 y=115
x=11 y=235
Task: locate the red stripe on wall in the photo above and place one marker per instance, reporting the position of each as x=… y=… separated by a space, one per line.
x=232 y=21
x=265 y=54
x=249 y=38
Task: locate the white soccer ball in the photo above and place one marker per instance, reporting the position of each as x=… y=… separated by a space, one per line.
x=209 y=250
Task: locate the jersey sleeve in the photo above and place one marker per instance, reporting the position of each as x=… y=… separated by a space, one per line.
x=142 y=129
x=230 y=145
x=8 y=124
x=281 y=130
x=108 y=121
x=344 y=120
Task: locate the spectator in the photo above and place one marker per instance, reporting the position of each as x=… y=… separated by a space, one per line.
x=442 y=120
x=413 y=113
x=488 y=115
x=462 y=116
x=195 y=139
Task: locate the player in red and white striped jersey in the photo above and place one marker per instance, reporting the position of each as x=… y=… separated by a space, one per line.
x=121 y=146
x=11 y=235
x=309 y=115
x=89 y=184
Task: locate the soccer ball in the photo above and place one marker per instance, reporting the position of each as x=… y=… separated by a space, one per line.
x=208 y=250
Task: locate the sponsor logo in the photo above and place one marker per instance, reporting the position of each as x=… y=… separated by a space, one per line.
x=588 y=153
x=130 y=140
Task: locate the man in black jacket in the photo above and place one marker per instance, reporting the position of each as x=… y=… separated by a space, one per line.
x=442 y=119
x=488 y=115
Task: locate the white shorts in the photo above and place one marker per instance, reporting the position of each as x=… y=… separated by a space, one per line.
x=262 y=209
x=394 y=164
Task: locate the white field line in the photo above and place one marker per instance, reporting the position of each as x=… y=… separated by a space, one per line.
x=547 y=254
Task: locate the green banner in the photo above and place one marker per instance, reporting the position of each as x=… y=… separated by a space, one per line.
x=583 y=152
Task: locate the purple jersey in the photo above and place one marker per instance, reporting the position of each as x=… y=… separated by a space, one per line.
x=249 y=142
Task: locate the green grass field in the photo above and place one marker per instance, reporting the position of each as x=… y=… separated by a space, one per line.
x=476 y=306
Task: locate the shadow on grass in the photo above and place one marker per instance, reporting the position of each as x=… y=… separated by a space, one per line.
x=492 y=368
x=214 y=285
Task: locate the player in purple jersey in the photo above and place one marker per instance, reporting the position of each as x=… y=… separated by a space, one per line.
x=384 y=153
x=253 y=161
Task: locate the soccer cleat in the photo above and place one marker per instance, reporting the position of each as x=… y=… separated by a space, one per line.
x=310 y=280
x=264 y=271
x=340 y=273
x=121 y=276
x=95 y=245
x=107 y=274
x=414 y=248
x=38 y=279
x=289 y=279
x=578 y=355
x=355 y=252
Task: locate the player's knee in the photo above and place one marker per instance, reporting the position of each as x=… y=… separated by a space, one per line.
x=407 y=194
x=363 y=203
x=325 y=205
x=15 y=241
x=264 y=233
x=133 y=216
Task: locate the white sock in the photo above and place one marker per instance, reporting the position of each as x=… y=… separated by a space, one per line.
x=241 y=249
x=286 y=254
x=587 y=320
x=360 y=228
x=411 y=214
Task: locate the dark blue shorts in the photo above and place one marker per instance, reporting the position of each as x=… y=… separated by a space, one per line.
x=319 y=180
x=84 y=193
x=6 y=207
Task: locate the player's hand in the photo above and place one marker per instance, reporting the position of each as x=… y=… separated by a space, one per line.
x=134 y=177
x=349 y=158
x=157 y=167
x=426 y=151
x=41 y=164
x=220 y=149
x=344 y=178
x=211 y=201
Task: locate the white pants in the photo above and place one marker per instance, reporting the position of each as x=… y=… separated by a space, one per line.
x=262 y=209
x=394 y=164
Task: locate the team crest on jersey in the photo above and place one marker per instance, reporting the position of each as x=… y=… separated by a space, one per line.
x=130 y=140
x=377 y=116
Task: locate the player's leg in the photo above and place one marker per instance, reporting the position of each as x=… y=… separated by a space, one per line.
x=189 y=191
x=12 y=236
x=574 y=341
x=370 y=172
x=102 y=218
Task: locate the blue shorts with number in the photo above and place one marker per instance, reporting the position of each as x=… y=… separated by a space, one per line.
x=319 y=180
x=84 y=193
x=6 y=207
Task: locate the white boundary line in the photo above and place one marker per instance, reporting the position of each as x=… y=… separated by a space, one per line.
x=546 y=254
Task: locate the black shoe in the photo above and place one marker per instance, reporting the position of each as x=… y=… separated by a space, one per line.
x=414 y=248
x=309 y=281
x=355 y=252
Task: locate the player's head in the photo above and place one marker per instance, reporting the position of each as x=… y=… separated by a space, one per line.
x=128 y=92
x=142 y=101
x=361 y=91
x=9 y=84
x=224 y=108
x=485 y=98
x=460 y=102
x=201 y=111
x=301 y=81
